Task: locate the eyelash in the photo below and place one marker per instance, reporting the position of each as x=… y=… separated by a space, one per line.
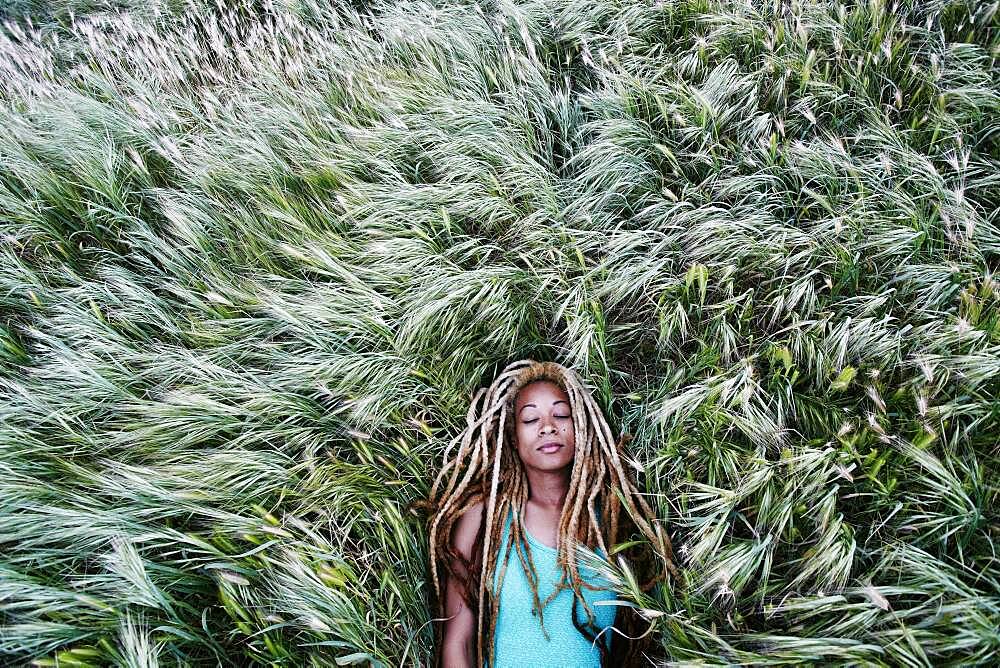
x=559 y=417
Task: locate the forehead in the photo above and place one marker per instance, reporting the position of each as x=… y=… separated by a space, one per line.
x=542 y=393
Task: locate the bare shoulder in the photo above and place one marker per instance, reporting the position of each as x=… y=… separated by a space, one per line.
x=466 y=529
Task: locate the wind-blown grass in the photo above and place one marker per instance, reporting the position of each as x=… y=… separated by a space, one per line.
x=256 y=256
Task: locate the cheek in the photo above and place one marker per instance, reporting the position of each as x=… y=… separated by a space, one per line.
x=567 y=430
x=521 y=436
x=570 y=444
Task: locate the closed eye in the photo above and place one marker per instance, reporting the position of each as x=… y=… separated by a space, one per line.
x=560 y=417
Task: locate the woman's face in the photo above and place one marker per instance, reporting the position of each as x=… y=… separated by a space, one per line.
x=543 y=417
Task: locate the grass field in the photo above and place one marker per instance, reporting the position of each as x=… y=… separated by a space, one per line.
x=255 y=258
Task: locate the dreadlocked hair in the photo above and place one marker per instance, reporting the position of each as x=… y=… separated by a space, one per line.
x=486 y=470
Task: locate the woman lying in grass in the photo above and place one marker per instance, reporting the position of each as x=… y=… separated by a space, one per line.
x=537 y=461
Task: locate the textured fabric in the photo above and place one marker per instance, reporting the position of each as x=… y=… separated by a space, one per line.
x=519 y=639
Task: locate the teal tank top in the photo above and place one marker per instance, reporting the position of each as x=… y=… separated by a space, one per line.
x=519 y=640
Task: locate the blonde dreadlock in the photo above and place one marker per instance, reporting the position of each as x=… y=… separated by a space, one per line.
x=484 y=471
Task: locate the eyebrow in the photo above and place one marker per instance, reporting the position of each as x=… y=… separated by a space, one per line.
x=560 y=401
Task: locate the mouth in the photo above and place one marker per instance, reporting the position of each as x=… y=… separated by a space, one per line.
x=550 y=447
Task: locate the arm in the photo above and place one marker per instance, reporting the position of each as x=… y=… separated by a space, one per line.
x=460 y=625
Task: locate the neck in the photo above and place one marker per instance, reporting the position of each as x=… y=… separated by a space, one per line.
x=549 y=488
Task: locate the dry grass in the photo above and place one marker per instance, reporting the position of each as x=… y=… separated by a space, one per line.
x=255 y=259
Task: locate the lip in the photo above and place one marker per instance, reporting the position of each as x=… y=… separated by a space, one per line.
x=549 y=444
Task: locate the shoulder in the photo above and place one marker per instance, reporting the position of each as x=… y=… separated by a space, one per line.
x=466 y=529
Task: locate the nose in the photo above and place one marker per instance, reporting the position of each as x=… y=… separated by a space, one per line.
x=547 y=427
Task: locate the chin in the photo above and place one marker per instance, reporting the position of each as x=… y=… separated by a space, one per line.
x=553 y=465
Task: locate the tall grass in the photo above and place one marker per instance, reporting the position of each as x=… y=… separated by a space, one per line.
x=256 y=256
